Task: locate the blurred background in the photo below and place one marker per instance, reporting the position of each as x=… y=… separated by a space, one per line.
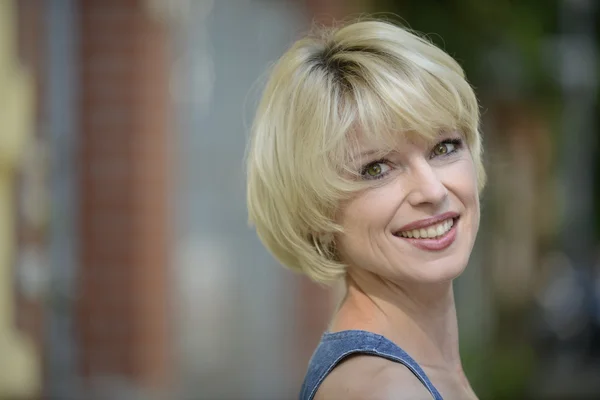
x=127 y=268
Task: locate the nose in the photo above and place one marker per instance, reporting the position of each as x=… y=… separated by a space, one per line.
x=426 y=186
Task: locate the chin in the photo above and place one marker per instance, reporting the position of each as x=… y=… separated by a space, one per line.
x=447 y=272
x=439 y=271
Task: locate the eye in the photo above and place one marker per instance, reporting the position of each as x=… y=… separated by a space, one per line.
x=446 y=147
x=375 y=170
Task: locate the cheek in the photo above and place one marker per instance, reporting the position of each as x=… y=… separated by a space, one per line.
x=366 y=214
x=464 y=186
x=355 y=216
x=370 y=208
x=462 y=177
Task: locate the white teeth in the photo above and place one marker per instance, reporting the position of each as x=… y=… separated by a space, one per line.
x=430 y=232
x=440 y=229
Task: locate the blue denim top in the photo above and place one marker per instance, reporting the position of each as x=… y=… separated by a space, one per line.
x=334 y=347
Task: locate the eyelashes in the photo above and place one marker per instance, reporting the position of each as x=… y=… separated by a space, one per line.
x=376 y=169
x=446 y=147
x=380 y=168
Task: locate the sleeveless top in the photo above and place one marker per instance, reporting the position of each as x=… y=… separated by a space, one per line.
x=334 y=347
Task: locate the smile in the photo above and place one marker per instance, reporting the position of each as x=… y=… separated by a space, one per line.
x=434 y=237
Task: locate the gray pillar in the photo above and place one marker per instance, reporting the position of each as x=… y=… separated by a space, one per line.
x=61 y=110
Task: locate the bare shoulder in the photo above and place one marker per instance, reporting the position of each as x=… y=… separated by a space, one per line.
x=371 y=378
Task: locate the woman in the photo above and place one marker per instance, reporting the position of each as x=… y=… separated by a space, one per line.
x=365 y=165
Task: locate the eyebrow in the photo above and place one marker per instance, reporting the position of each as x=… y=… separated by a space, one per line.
x=367 y=154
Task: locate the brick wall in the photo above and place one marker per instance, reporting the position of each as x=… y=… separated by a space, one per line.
x=123 y=307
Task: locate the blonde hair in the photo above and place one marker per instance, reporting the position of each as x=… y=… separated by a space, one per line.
x=367 y=75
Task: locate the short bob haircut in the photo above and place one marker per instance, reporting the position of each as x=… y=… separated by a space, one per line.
x=367 y=76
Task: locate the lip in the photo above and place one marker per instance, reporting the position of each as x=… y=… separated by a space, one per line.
x=424 y=223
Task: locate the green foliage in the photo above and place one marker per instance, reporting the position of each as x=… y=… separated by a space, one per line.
x=480 y=34
x=510 y=372
x=500 y=373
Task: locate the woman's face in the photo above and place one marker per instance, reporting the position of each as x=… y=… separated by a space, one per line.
x=419 y=220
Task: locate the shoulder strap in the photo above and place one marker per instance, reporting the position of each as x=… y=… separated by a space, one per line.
x=334 y=347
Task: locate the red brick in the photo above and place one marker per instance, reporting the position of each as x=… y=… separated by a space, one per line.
x=125 y=234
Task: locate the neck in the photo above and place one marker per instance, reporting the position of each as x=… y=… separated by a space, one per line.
x=421 y=319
